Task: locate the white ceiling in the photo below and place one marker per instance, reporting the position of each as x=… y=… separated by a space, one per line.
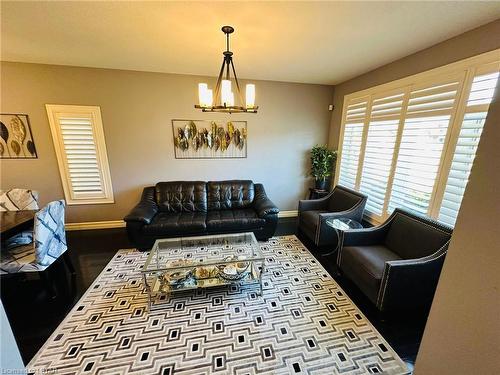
x=313 y=42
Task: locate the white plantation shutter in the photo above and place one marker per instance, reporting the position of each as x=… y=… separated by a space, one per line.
x=385 y=115
x=418 y=163
x=351 y=145
x=81 y=153
x=414 y=146
x=481 y=95
x=482 y=90
x=461 y=166
x=426 y=124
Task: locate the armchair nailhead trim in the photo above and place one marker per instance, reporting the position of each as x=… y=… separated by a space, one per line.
x=431 y=223
x=386 y=275
x=433 y=257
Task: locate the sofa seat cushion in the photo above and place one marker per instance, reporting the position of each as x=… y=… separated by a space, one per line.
x=233 y=220
x=364 y=265
x=170 y=223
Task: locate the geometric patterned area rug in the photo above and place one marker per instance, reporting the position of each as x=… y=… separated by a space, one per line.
x=303 y=324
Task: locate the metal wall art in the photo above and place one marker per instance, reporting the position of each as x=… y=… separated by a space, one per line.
x=16 y=140
x=200 y=139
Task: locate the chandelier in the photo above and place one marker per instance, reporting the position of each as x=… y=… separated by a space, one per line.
x=222 y=100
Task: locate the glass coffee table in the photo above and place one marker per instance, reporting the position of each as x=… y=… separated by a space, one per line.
x=185 y=263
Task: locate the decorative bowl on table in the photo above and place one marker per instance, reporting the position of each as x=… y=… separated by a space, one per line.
x=179 y=277
x=233 y=271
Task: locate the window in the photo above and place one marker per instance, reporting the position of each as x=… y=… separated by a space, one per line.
x=412 y=143
x=379 y=149
x=425 y=126
x=353 y=132
x=480 y=96
x=80 y=147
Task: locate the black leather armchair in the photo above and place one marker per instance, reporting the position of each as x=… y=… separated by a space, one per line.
x=190 y=208
x=313 y=213
x=397 y=264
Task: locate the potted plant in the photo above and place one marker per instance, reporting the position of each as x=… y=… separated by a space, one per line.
x=322 y=162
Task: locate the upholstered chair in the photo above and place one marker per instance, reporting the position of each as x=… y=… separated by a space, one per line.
x=35 y=251
x=397 y=264
x=313 y=213
x=18 y=200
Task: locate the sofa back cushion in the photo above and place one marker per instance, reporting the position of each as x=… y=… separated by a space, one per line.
x=411 y=238
x=181 y=196
x=226 y=195
x=342 y=200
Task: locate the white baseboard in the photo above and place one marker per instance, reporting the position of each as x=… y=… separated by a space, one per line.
x=95 y=225
x=120 y=223
x=288 y=213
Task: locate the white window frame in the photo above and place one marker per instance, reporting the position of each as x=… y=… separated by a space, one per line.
x=468 y=68
x=53 y=112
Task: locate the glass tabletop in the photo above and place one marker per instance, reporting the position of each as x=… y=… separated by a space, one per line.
x=343 y=223
x=187 y=252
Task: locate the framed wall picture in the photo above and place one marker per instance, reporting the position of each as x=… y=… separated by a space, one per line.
x=202 y=139
x=16 y=139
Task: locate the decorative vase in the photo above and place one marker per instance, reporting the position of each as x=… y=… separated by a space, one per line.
x=321 y=184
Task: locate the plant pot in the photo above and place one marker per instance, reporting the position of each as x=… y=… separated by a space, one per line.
x=321 y=184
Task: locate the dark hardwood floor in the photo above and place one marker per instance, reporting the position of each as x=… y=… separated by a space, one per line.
x=34 y=315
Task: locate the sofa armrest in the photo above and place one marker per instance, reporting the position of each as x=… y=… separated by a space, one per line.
x=410 y=282
x=145 y=210
x=365 y=236
x=314 y=204
x=262 y=204
x=352 y=214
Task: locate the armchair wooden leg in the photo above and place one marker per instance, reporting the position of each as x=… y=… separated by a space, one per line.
x=69 y=263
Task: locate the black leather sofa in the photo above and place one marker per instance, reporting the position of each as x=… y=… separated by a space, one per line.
x=191 y=208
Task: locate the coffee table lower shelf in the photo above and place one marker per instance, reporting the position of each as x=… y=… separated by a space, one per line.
x=158 y=290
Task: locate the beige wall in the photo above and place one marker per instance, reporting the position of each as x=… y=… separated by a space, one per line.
x=137 y=108
x=471 y=43
x=462 y=335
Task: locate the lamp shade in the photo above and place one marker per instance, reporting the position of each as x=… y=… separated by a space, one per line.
x=250 y=95
x=202 y=94
x=209 y=98
x=226 y=91
x=230 y=102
